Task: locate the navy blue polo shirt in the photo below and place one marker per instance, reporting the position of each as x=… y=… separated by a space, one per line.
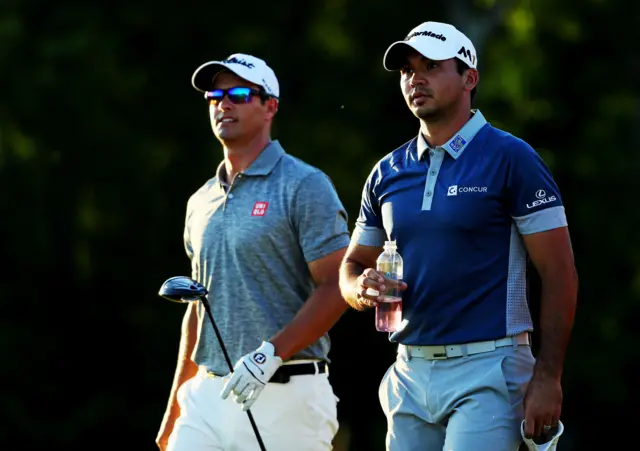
x=458 y=213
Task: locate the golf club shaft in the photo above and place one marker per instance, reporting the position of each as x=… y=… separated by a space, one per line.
x=215 y=328
x=226 y=357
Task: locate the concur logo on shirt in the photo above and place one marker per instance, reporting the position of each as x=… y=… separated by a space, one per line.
x=454 y=190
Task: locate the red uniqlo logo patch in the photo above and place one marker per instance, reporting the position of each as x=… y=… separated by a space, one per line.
x=259 y=208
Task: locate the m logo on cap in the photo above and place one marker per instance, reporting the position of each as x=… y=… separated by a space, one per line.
x=471 y=57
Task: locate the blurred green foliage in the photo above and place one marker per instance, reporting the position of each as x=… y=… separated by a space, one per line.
x=102 y=140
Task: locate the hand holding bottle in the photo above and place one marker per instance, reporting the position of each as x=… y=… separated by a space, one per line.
x=372 y=283
x=382 y=288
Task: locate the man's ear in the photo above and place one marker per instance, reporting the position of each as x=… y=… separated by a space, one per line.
x=471 y=79
x=272 y=107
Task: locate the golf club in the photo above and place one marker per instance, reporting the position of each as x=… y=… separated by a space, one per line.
x=184 y=289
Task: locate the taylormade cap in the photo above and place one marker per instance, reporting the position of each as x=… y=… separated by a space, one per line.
x=434 y=40
x=248 y=67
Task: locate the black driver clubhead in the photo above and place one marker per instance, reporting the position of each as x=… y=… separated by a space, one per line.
x=182 y=289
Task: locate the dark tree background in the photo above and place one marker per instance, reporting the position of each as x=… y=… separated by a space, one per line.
x=102 y=140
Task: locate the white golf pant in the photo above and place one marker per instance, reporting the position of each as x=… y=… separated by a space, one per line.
x=300 y=415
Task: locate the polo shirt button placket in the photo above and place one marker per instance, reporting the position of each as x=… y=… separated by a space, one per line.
x=234 y=183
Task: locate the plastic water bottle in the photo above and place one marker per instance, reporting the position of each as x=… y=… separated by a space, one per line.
x=389 y=310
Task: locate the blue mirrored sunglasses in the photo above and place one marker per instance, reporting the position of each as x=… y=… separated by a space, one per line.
x=237 y=95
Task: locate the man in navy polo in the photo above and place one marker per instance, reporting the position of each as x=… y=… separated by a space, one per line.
x=467 y=204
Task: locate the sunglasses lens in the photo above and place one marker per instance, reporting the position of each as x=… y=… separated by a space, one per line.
x=214 y=96
x=236 y=95
x=240 y=95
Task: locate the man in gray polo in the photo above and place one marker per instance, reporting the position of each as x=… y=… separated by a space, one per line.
x=265 y=236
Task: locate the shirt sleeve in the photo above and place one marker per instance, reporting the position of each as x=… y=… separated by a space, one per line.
x=187 y=232
x=369 y=229
x=533 y=196
x=319 y=217
x=188 y=247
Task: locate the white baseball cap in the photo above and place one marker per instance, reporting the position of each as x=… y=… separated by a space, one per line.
x=435 y=40
x=245 y=66
x=550 y=445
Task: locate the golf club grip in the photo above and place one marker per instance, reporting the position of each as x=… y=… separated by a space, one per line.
x=226 y=357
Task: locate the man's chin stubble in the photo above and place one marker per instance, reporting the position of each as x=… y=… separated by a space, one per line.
x=429 y=115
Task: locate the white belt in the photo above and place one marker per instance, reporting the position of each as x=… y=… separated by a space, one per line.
x=448 y=351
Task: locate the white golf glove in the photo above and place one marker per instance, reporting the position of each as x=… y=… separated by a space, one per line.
x=251 y=374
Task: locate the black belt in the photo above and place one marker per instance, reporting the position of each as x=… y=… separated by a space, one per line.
x=282 y=374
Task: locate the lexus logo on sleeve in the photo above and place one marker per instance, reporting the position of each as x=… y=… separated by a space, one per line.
x=541 y=199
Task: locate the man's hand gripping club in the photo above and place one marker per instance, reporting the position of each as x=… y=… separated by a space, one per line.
x=251 y=374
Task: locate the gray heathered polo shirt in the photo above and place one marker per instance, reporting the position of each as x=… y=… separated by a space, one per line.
x=250 y=243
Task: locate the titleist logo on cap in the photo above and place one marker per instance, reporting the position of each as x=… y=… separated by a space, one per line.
x=235 y=60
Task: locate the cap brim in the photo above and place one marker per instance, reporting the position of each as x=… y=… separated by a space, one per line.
x=396 y=55
x=203 y=75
